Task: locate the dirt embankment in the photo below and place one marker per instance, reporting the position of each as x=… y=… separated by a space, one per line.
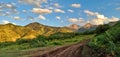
x=76 y=50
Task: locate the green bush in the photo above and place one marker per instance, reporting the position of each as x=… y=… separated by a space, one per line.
x=40 y=41
x=57 y=43
x=4 y=44
x=101 y=29
x=108 y=42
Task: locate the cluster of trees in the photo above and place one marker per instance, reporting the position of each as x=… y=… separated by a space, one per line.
x=40 y=41
x=101 y=29
x=107 y=41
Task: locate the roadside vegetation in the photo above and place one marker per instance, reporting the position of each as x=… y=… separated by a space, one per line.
x=42 y=41
x=21 y=46
x=107 y=41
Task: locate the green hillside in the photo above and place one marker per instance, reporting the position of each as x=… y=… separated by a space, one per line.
x=10 y=32
x=107 y=43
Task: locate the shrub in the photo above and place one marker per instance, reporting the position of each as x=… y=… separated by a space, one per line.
x=101 y=29
x=108 y=42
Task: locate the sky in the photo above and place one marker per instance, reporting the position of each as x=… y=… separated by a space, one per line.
x=59 y=13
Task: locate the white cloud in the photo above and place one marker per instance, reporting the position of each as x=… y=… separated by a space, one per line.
x=41 y=17
x=76 y=5
x=90 y=13
x=9 y=6
x=41 y=11
x=33 y=2
x=7 y=9
x=6 y=22
x=100 y=18
x=57 y=5
x=113 y=19
x=75 y=20
x=58 y=17
x=17 y=18
x=69 y=10
x=59 y=11
x=24 y=11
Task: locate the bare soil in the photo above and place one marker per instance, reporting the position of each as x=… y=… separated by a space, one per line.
x=76 y=50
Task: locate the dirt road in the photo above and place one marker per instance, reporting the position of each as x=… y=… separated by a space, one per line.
x=76 y=50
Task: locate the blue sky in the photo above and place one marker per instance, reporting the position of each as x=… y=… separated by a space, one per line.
x=59 y=12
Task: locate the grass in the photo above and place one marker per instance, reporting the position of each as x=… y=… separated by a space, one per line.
x=19 y=50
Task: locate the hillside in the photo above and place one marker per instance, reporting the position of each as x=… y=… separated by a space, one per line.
x=74 y=27
x=11 y=32
x=87 y=27
x=106 y=44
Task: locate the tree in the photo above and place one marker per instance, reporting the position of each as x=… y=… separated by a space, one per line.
x=101 y=29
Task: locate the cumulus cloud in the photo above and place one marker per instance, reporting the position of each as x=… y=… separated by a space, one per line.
x=6 y=22
x=59 y=11
x=33 y=2
x=90 y=12
x=75 y=20
x=41 y=17
x=69 y=10
x=17 y=18
x=41 y=11
x=58 y=17
x=9 y=5
x=7 y=9
x=100 y=18
x=113 y=19
x=24 y=11
x=57 y=5
x=76 y=5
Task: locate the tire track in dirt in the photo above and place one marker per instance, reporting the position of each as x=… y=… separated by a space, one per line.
x=76 y=50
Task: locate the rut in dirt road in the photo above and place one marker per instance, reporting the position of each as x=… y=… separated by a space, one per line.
x=76 y=50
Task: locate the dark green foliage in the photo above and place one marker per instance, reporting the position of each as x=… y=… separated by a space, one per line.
x=56 y=43
x=40 y=41
x=87 y=32
x=101 y=29
x=108 y=42
x=5 y=44
x=60 y=35
x=21 y=41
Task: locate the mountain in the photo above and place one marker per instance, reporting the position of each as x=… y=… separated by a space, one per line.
x=74 y=27
x=47 y=30
x=11 y=32
x=87 y=27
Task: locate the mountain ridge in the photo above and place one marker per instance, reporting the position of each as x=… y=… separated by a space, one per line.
x=11 y=32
